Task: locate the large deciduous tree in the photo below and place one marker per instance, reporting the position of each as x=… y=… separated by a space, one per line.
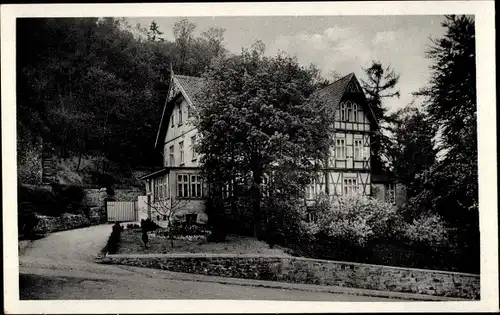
x=413 y=150
x=259 y=118
x=380 y=84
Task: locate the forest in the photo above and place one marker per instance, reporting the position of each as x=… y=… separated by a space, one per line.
x=92 y=90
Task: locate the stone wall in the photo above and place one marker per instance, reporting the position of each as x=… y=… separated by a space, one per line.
x=312 y=271
x=64 y=222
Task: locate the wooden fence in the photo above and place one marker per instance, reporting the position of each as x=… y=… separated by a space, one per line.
x=121 y=211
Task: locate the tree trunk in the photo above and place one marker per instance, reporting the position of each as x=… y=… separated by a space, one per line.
x=257 y=179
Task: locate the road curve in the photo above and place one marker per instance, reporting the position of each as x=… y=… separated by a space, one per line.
x=61 y=266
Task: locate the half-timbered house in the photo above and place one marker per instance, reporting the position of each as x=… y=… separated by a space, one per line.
x=346 y=172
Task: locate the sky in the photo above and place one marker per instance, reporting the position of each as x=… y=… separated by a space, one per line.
x=343 y=44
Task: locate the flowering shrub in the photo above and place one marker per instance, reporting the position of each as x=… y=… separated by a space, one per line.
x=357 y=219
x=427 y=229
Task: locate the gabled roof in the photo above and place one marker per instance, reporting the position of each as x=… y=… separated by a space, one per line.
x=332 y=94
x=187 y=86
x=190 y=87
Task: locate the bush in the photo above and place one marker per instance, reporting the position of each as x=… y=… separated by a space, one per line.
x=356 y=220
x=114 y=240
x=284 y=221
x=148 y=225
x=428 y=230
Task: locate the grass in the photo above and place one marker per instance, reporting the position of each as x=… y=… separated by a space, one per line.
x=131 y=243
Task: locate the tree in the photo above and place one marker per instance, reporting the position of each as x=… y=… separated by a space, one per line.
x=259 y=118
x=183 y=33
x=154 y=33
x=413 y=151
x=380 y=84
x=167 y=209
x=451 y=103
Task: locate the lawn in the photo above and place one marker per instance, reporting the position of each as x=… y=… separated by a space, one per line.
x=131 y=243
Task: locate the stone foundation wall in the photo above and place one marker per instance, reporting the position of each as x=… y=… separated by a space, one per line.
x=64 y=222
x=312 y=271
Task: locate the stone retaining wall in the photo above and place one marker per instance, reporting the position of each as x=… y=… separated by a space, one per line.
x=312 y=271
x=64 y=222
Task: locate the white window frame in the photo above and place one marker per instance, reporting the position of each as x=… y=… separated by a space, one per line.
x=358 y=150
x=340 y=149
x=183 y=186
x=193 y=148
x=348 y=113
x=354 y=117
x=342 y=111
x=195 y=183
x=181 y=152
x=350 y=186
x=171 y=161
x=311 y=190
x=180 y=115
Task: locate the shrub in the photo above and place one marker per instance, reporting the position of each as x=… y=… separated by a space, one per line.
x=357 y=219
x=429 y=230
x=113 y=240
x=148 y=225
x=284 y=221
x=70 y=198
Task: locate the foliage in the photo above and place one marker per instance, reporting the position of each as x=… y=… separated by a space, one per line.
x=94 y=87
x=412 y=152
x=429 y=230
x=114 y=240
x=259 y=118
x=284 y=221
x=357 y=219
x=30 y=165
x=450 y=99
x=380 y=84
x=148 y=225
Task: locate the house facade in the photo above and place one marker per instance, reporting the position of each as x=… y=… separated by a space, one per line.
x=179 y=186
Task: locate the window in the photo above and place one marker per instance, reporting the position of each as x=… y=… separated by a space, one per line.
x=190 y=111
x=348 y=115
x=358 y=150
x=181 y=151
x=340 y=149
x=342 y=111
x=350 y=186
x=193 y=148
x=311 y=190
x=196 y=186
x=390 y=195
x=354 y=116
x=189 y=186
x=172 y=120
x=312 y=217
x=180 y=115
x=183 y=186
x=172 y=156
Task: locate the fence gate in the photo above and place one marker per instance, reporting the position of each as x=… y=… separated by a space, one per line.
x=122 y=211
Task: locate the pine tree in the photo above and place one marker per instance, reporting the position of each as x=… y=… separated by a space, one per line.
x=380 y=84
